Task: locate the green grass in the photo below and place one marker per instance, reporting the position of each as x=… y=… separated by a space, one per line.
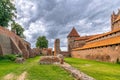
x=98 y=70
x=34 y=69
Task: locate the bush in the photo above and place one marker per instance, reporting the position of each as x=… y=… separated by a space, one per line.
x=19 y=55
x=1 y=57
x=10 y=57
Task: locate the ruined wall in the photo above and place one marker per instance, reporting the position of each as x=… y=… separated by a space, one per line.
x=11 y=43
x=47 y=51
x=107 y=53
x=5 y=44
x=36 y=51
x=65 y=53
x=57 y=47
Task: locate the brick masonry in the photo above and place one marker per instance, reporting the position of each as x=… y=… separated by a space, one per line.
x=108 y=53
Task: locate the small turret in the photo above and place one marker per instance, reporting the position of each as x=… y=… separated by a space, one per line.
x=115 y=20
x=118 y=12
x=71 y=37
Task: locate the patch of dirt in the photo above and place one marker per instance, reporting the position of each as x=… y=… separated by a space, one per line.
x=12 y=76
x=9 y=76
x=22 y=76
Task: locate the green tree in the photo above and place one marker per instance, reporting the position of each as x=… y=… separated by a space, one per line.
x=42 y=42
x=7 y=12
x=18 y=29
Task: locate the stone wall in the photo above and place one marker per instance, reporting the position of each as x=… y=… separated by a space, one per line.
x=106 y=53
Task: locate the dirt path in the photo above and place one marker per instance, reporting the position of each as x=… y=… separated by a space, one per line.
x=22 y=76
x=12 y=76
x=9 y=76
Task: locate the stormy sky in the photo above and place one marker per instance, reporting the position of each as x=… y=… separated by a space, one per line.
x=56 y=18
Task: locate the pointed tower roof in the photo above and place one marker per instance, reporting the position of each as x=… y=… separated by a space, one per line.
x=73 y=33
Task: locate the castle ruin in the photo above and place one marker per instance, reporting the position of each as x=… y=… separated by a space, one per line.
x=100 y=47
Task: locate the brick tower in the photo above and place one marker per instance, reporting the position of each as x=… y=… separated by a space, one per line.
x=115 y=20
x=71 y=37
x=57 y=47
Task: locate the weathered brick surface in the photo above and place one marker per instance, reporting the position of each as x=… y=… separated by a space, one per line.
x=57 y=47
x=15 y=47
x=108 y=54
x=25 y=53
x=46 y=51
x=65 y=53
x=1 y=52
x=36 y=51
x=11 y=43
x=115 y=20
x=5 y=44
x=59 y=59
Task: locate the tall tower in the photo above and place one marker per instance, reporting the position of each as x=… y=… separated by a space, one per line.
x=71 y=37
x=57 y=47
x=115 y=20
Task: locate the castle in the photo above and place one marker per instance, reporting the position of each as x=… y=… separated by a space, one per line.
x=100 y=47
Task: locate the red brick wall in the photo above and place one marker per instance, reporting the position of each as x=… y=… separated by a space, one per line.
x=108 y=54
x=65 y=53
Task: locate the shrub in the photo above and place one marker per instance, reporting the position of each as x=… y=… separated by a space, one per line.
x=1 y=57
x=10 y=57
x=19 y=55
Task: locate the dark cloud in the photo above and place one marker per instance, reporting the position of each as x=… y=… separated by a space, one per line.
x=55 y=18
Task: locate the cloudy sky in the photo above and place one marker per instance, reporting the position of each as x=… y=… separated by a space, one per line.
x=56 y=18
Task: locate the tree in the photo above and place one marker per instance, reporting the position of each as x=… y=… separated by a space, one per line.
x=42 y=42
x=7 y=12
x=18 y=29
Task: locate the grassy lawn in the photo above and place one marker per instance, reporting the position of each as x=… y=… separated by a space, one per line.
x=98 y=70
x=34 y=70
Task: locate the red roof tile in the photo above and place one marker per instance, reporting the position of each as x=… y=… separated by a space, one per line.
x=86 y=37
x=105 y=42
x=104 y=34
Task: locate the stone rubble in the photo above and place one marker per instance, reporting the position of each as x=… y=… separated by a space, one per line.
x=76 y=73
x=52 y=59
